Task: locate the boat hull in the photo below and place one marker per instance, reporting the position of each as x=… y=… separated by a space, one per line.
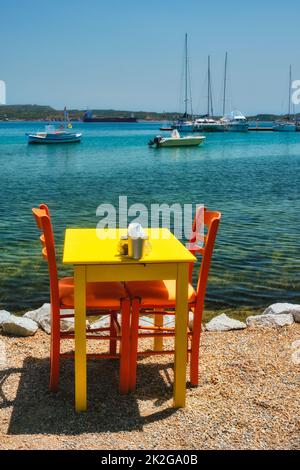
x=109 y=119
x=209 y=128
x=237 y=127
x=187 y=128
x=183 y=126
x=184 y=142
x=285 y=127
x=54 y=139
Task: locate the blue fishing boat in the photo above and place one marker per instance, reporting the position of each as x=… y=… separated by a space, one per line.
x=52 y=135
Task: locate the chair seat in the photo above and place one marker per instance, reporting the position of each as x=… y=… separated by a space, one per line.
x=98 y=295
x=155 y=293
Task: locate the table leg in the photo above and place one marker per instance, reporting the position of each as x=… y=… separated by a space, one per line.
x=80 y=337
x=181 y=335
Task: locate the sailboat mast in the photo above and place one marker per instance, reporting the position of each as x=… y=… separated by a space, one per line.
x=208 y=87
x=186 y=77
x=65 y=117
x=211 y=95
x=224 y=89
x=290 y=85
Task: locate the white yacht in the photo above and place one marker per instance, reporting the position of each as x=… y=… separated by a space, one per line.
x=235 y=122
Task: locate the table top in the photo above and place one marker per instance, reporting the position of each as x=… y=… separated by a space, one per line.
x=100 y=246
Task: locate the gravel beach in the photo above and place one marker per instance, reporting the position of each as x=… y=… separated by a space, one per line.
x=248 y=398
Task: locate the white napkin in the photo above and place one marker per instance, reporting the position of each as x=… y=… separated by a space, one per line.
x=135 y=230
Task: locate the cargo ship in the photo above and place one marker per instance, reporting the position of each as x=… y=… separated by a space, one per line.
x=89 y=117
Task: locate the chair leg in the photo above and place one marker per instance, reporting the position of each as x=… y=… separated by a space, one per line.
x=54 y=349
x=125 y=346
x=194 y=365
x=158 y=340
x=113 y=332
x=134 y=342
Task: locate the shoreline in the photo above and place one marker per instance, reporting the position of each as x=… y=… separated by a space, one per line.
x=237 y=313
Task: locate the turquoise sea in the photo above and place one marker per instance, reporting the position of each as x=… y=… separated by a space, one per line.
x=253 y=179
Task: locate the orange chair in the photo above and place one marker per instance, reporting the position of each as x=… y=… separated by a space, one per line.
x=105 y=298
x=159 y=298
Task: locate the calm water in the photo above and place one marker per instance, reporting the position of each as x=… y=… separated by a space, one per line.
x=252 y=178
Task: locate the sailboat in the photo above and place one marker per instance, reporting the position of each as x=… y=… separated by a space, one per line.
x=185 y=122
x=287 y=125
x=207 y=123
x=234 y=121
x=52 y=135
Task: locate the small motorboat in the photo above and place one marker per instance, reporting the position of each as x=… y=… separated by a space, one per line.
x=176 y=141
x=51 y=135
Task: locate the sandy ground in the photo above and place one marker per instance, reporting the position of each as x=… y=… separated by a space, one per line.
x=248 y=398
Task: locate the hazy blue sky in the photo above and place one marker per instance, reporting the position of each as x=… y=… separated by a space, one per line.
x=128 y=54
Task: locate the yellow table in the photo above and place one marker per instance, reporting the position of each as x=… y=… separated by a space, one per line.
x=96 y=259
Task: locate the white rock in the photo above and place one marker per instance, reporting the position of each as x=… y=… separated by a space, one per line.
x=67 y=325
x=39 y=313
x=102 y=322
x=19 y=326
x=3 y=357
x=296 y=316
x=284 y=308
x=42 y=316
x=191 y=322
x=224 y=323
x=169 y=320
x=270 y=320
x=4 y=315
x=146 y=321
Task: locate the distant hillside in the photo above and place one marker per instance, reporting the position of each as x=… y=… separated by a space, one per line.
x=271 y=117
x=34 y=112
x=26 y=112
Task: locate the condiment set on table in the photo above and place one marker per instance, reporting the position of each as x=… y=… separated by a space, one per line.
x=135 y=244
